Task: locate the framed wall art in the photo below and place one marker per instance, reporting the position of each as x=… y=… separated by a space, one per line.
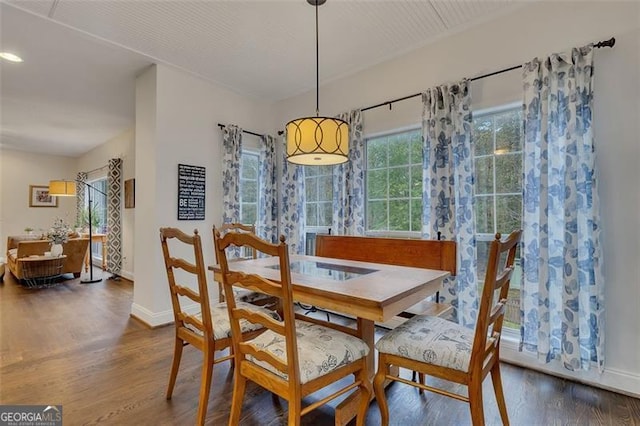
x=129 y=193
x=39 y=197
x=191 y=192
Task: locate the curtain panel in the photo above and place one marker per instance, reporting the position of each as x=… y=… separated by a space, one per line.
x=292 y=208
x=232 y=153
x=268 y=199
x=562 y=302
x=232 y=145
x=114 y=216
x=348 y=181
x=448 y=187
x=81 y=178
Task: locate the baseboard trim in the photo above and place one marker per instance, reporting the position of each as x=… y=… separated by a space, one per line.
x=158 y=319
x=610 y=379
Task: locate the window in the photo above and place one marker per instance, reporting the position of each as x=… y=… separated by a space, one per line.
x=249 y=187
x=498 y=197
x=98 y=211
x=394 y=183
x=318 y=187
x=99 y=200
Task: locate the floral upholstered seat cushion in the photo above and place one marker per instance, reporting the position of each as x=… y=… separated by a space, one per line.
x=321 y=350
x=431 y=340
x=222 y=325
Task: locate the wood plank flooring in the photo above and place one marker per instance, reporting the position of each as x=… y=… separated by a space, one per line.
x=76 y=345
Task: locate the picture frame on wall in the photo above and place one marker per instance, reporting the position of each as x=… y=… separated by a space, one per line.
x=129 y=193
x=39 y=197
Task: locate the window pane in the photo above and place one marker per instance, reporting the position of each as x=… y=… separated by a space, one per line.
x=416 y=181
x=484 y=215
x=249 y=213
x=416 y=147
x=416 y=215
x=508 y=135
x=249 y=167
x=312 y=217
x=484 y=175
x=399 y=150
x=377 y=184
x=482 y=248
x=483 y=136
x=249 y=191
x=311 y=171
x=399 y=182
x=509 y=213
x=325 y=214
x=325 y=188
x=376 y=153
x=377 y=215
x=399 y=215
x=311 y=189
x=509 y=173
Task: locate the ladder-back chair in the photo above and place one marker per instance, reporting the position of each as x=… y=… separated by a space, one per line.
x=293 y=358
x=207 y=330
x=449 y=351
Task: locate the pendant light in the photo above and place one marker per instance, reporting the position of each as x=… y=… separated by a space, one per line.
x=317 y=140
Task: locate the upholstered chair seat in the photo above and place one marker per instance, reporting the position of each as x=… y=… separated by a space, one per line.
x=432 y=340
x=221 y=324
x=321 y=350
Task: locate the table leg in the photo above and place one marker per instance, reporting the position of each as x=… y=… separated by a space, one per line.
x=348 y=409
x=86 y=259
x=104 y=254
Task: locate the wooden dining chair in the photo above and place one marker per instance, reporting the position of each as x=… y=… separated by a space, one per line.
x=443 y=349
x=293 y=358
x=243 y=295
x=209 y=329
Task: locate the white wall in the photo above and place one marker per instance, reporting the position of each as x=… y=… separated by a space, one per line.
x=20 y=169
x=176 y=123
x=539 y=28
x=121 y=146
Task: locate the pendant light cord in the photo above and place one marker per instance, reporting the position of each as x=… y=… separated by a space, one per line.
x=317 y=67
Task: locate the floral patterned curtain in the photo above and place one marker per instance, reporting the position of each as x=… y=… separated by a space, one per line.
x=448 y=184
x=563 y=292
x=348 y=182
x=292 y=214
x=232 y=143
x=268 y=199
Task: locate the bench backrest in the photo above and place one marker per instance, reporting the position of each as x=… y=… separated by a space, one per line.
x=428 y=254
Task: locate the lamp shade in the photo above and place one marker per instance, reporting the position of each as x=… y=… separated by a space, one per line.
x=62 y=188
x=317 y=141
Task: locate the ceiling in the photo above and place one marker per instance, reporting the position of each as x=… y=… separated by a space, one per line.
x=75 y=88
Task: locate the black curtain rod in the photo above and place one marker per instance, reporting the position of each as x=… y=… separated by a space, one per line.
x=605 y=43
x=222 y=126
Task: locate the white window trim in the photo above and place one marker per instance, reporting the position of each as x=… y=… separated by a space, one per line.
x=409 y=198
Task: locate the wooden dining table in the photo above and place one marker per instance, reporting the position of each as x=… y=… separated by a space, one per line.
x=370 y=292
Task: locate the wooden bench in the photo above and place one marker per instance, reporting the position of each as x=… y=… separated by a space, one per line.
x=428 y=254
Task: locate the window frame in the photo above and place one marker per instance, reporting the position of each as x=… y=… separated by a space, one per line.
x=484 y=236
x=509 y=331
x=388 y=232
x=253 y=153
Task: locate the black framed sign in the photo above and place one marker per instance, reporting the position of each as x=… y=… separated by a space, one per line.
x=191 y=190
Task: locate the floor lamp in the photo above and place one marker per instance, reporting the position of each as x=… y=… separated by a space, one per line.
x=67 y=188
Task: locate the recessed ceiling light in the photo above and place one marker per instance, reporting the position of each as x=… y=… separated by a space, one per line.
x=10 y=57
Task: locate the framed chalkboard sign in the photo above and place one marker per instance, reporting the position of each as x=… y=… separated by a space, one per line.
x=191 y=190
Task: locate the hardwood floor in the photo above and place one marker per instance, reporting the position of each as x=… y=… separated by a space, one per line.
x=76 y=345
